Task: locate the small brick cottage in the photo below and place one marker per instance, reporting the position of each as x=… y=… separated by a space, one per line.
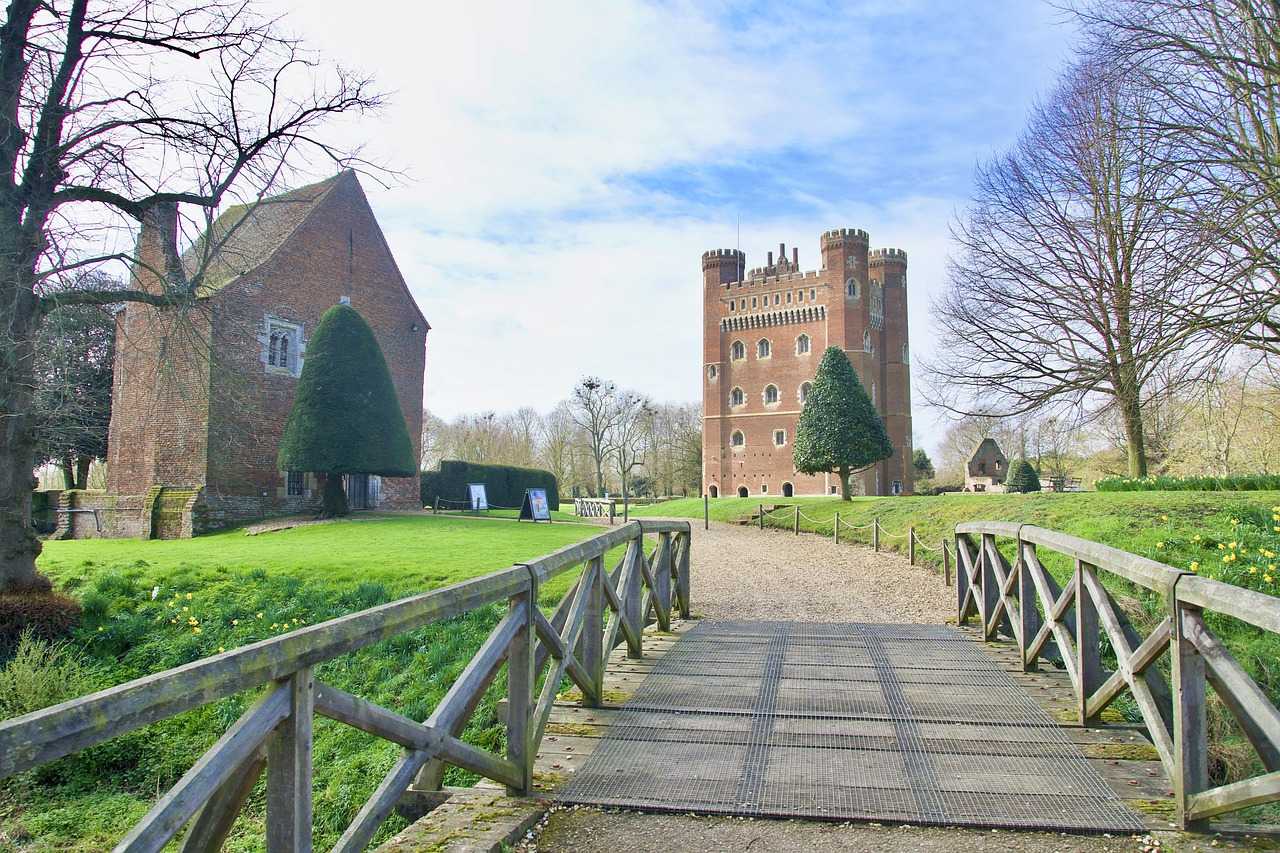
x=200 y=399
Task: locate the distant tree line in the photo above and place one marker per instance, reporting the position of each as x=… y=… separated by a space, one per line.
x=601 y=439
x=1126 y=250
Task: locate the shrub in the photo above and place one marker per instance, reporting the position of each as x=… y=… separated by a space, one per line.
x=504 y=484
x=44 y=614
x=43 y=673
x=1242 y=483
x=1022 y=477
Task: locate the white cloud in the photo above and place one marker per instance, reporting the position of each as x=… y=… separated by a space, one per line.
x=530 y=244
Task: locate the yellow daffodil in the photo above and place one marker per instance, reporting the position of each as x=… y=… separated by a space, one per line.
x=100 y=628
x=1164 y=518
x=185 y=609
x=1159 y=544
x=1267 y=578
x=1221 y=547
x=1235 y=522
x=259 y=615
x=1195 y=538
x=221 y=649
x=188 y=596
x=195 y=630
x=235 y=621
x=1195 y=566
x=1253 y=570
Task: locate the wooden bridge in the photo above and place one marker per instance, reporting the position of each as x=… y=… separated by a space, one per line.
x=928 y=724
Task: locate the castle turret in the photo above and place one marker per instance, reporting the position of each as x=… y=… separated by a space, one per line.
x=888 y=267
x=720 y=268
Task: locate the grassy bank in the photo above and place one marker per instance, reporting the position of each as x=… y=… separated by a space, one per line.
x=152 y=605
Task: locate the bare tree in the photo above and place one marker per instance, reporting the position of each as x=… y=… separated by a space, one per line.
x=112 y=114
x=629 y=438
x=435 y=437
x=1213 y=65
x=594 y=410
x=559 y=434
x=1068 y=261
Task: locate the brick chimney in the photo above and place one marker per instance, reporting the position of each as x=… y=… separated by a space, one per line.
x=159 y=228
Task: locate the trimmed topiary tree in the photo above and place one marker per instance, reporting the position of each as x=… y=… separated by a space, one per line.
x=346 y=418
x=1022 y=477
x=839 y=430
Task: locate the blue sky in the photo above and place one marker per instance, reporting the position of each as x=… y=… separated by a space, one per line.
x=567 y=163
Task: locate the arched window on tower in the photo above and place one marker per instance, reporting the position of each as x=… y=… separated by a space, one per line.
x=905 y=355
x=867 y=346
x=763 y=348
x=805 y=388
x=802 y=345
x=851 y=288
x=874 y=400
x=738 y=351
x=737 y=397
x=738 y=440
x=877 y=305
x=771 y=394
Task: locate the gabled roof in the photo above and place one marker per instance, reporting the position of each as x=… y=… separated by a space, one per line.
x=978 y=448
x=246 y=235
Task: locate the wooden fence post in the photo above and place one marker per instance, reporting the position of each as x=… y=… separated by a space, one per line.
x=590 y=650
x=946 y=563
x=436 y=508
x=633 y=592
x=797 y=520
x=835 y=529
x=520 y=684
x=1088 y=655
x=1190 y=733
x=911 y=545
x=613 y=511
x=289 y=771
x=875 y=534
x=682 y=574
x=762 y=516
x=706 y=512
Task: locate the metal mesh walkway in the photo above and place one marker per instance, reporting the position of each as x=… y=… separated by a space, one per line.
x=844 y=721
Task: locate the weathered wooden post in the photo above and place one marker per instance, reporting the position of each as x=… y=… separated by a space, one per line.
x=762 y=516
x=520 y=684
x=911 y=545
x=436 y=507
x=706 y=512
x=662 y=582
x=1190 y=733
x=796 y=520
x=590 y=650
x=682 y=574
x=875 y=534
x=835 y=529
x=991 y=591
x=613 y=511
x=289 y=771
x=633 y=592
x=946 y=563
x=1088 y=655
x=1027 y=611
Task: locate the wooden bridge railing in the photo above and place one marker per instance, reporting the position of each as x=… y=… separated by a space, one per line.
x=275 y=734
x=1025 y=602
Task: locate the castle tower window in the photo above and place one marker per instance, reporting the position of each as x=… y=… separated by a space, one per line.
x=295 y=483
x=788 y=297
x=770 y=394
x=738 y=351
x=803 y=345
x=764 y=488
x=779 y=437
x=738 y=440
x=867 y=346
x=805 y=388
x=873 y=393
x=763 y=348
x=731 y=305
x=753 y=302
x=813 y=293
x=877 y=305
x=905 y=355
x=737 y=397
x=800 y=295
x=777 y=300
x=712 y=372
x=851 y=288
x=742 y=491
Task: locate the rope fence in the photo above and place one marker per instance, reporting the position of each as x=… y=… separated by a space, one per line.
x=782 y=514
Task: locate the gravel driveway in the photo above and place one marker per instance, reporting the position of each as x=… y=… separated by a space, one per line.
x=742 y=572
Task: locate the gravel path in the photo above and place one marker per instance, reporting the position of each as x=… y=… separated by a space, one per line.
x=741 y=572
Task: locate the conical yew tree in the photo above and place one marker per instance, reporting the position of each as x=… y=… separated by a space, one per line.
x=839 y=430
x=345 y=418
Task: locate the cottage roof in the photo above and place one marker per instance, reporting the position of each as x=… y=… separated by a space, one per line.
x=246 y=235
x=987 y=445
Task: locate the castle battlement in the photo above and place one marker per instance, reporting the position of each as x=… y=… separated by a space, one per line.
x=882 y=256
x=845 y=235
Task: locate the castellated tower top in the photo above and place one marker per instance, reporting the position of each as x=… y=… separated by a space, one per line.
x=721 y=257
x=887 y=256
x=844 y=235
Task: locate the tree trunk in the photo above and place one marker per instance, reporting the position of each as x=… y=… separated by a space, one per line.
x=1135 y=440
x=335 y=498
x=68 y=469
x=845 y=492
x=19 y=546
x=82 y=471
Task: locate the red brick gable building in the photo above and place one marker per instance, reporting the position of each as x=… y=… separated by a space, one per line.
x=200 y=402
x=763 y=334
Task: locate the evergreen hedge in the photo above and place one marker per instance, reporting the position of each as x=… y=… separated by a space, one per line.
x=504 y=484
x=1243 y=483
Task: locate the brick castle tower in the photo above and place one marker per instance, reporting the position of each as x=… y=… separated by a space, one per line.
x=763 y=334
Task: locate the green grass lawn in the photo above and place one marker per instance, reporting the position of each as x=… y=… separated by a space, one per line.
x=152 y=605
